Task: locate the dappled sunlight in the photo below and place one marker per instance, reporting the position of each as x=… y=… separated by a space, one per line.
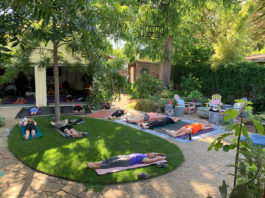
x=207 y=139
x=51 y=158
x=102 y=148
x=118 y=128
x=203 y=189
x=31 y=157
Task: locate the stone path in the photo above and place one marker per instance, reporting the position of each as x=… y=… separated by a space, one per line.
x=199 y=176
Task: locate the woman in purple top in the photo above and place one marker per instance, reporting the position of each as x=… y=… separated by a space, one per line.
x=127 y=160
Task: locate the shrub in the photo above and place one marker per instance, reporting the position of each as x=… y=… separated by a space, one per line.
x=195 y=96
x=146 y=86
x=166 y=93
x=2 y=121
x=189 y=84
x=146 y=105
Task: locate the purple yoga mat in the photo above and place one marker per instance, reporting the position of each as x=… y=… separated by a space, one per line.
x=116 y=169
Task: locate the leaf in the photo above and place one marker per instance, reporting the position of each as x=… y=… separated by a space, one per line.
x=14 y=44
x=230 y=114
x=223 y=189
x=226 y=148
x=242 y=169
x=259 y=127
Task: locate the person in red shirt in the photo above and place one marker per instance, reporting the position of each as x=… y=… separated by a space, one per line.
x=190 y=129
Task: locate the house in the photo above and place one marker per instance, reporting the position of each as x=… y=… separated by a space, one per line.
x=139 y=67
x=258 y=58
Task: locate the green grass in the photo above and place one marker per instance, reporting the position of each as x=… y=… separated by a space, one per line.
x=66 y=157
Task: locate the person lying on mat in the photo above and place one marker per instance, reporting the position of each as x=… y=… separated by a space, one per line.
x=190 y=129
x=164 y=121
x=78 y=108
x=67 y=128
x=30 y=128
x=117 y=113
x=127 y=160
x=146 y=117
x=34 y=111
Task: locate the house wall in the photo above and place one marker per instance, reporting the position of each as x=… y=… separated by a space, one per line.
x=151 y=68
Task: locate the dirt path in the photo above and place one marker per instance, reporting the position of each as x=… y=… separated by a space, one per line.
x=199 y=176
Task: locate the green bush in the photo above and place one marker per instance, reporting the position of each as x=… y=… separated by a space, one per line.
x=195 y=96
x=189 y=84
x=146 y=105
x=2 y=121
x=146 y=86
x=166 y=93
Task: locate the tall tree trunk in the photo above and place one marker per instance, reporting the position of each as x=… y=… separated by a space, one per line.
x=165 y=69
x=56 y=81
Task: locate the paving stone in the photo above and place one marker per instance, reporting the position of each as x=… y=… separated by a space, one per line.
x=113 y=193
x=13 y=191
x=39 y=195
x=64 y=194
x=11 y=177
x=15 y=167
x=52 y=187
x=36 y=185
x=74 y=188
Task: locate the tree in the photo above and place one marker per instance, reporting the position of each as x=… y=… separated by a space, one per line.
x=233 y=40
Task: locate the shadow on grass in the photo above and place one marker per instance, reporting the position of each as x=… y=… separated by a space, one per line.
x=65 y=158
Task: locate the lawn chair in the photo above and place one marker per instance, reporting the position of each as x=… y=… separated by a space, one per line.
x=216 y=101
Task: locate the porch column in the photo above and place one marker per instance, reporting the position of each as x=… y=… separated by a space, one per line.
x=40 y=86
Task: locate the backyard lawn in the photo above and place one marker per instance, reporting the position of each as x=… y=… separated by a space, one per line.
x=65 y=157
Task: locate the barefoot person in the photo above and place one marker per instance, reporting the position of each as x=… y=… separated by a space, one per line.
x=127 y=160
x=30 y=128
x=161 y=122
x=146 y=117
x=67 y=128
x=190 y=129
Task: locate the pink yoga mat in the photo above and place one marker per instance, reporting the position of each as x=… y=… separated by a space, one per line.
x=116 y=169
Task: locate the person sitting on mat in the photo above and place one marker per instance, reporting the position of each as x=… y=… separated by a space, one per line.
x=67 y=128
x=127 y=160
x=30 y=128
x=117 y=113
x=78 y=108
x=190 y=129
x=164 y=121
x=34 y=111
x=146 y=117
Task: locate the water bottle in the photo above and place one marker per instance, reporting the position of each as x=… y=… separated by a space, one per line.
x=7 y=132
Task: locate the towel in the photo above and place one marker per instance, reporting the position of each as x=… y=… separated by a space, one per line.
x=116 y=169
x=37 y=134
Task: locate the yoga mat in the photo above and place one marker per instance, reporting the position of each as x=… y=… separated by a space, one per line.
x=116 y=169
x=69 y=110
x=25 y=112
x=257 y=139
x=174 y=127
x=38 y=133
x=100 y=114
x=2 y=173
x=218 y=130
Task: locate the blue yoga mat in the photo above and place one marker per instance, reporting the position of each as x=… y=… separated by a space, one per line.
x=38 y=133
x=2 y=173
x=256 y=139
